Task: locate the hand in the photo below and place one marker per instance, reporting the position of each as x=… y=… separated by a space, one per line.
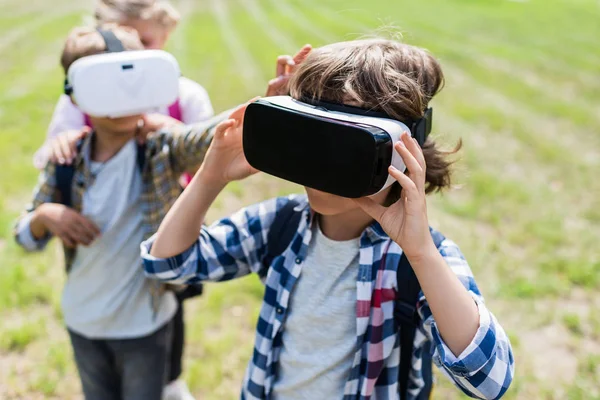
x=286 y=66
x=406 y=221
x=151 y=123
x=67 y=224
x=63 y=148
x=225 y=160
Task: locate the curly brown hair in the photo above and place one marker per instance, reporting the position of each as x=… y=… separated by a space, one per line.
x=381 y=75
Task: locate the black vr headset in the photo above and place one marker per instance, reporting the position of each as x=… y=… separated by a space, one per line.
x=333 y=148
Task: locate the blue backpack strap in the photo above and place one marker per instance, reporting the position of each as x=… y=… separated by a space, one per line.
x=405 y=314
x=141 y=156
x=282 y=231
x=64 y=179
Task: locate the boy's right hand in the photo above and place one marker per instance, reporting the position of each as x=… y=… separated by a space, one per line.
x=65 y=223
x=63 y=148
x=225 y=161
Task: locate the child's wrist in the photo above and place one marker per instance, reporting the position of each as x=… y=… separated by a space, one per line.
x=424 y=256
x=208 y=178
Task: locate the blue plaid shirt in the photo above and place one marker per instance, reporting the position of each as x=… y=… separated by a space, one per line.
x=235 y=246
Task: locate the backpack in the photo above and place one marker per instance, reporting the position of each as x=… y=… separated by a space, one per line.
x=280 y=236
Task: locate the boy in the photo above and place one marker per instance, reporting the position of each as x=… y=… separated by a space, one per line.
x=154 y=22
x=119 y=322
x=326 y=329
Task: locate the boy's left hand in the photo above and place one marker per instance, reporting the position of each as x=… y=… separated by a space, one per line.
x=406 y=220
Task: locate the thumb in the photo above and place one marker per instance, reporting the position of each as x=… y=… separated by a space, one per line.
x=371 y=207
x=222 y=128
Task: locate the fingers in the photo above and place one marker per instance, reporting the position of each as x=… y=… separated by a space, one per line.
x=89 y=225
x=371 y=207
x=65 y=154
x=408 y=186
x=67 y=240
x=83 y=230
x=277 y=86
x=81 y=235
x=415 y=170
x=55 y=152
x=223 y=127
x=301 y=55
x=413 y=146
x=283 y=62
x=238 y=113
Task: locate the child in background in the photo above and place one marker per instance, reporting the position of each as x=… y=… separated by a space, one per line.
x=326 y=329
x=119 y=322
x=154 y=21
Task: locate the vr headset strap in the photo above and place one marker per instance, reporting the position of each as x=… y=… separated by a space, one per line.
x=419 y=129
x=113 y=44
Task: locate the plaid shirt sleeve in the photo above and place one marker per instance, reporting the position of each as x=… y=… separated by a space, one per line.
x=188 y=144
x=45 y=192
x=228 y=249
x=485 y=368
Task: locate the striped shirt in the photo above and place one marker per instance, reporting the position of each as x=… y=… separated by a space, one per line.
x=234 y=247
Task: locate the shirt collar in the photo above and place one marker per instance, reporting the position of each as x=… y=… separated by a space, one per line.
x=374 y=231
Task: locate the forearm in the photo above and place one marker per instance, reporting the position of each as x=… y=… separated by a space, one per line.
x=180 y=228
x=31 y=233
x=454 y=310
x=37 y=225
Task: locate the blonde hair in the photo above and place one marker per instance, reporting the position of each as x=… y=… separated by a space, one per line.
x=380 y=75
x=119 y=11
x=86 y=41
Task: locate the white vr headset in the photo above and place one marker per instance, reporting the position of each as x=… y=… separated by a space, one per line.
x=121 y=83
x=334 y=148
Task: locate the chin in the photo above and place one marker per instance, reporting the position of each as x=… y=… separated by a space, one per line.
x=329 y=204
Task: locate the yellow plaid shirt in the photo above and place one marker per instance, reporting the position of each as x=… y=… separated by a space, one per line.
x=168 y=153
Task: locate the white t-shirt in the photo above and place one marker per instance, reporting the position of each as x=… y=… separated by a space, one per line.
x=106 y=294
x=315 y=362
x=193 y=100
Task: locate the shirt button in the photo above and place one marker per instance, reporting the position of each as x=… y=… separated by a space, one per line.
x=279 y=310
x=298 y=260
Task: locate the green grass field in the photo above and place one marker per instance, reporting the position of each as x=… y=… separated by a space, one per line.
x=523 y=92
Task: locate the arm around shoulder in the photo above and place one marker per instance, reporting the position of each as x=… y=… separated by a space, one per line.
x=188 y=144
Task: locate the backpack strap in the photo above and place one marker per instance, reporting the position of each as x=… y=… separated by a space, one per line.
x=64 y=174
x=405 y=314
x=282 y=231
x=64 y=179
x=141 y=156
x=175 y=111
